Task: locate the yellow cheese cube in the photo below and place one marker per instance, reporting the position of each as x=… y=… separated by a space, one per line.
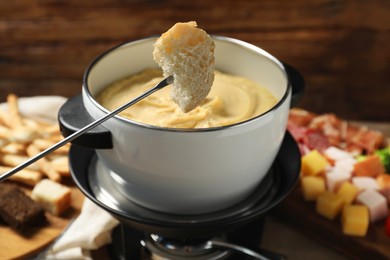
x=312 y=187
x=313 y=163
x=348 y=192
x=355 y=220
x=329 y=204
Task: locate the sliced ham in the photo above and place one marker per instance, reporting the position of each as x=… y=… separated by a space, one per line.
x=321 y=131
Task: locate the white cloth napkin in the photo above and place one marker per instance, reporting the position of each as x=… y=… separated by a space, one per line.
x=90 y=230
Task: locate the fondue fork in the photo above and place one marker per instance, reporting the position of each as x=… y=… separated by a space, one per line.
x=165 y=82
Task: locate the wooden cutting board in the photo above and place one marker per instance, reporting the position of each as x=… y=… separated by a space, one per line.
x=16 y=246
x=301 y=215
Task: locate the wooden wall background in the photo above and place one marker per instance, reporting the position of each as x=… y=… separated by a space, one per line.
x=341 y=47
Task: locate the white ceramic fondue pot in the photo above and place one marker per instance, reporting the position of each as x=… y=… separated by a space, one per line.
x=189 y=171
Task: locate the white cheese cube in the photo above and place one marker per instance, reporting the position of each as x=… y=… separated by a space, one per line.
x=346 y=164
x=335 y=178
x=365 y=183
x=336 y=154
x=375 y=202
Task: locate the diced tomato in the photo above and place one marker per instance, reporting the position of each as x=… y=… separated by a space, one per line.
x=387 y=227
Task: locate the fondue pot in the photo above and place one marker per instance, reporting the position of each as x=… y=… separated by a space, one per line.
x=182 y=171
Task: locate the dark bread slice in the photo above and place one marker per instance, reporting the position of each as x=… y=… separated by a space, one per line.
x=7 y=187
x=20 y=211
x=4 y=189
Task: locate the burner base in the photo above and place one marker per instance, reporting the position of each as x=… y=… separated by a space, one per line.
x=127 y=245
x=176 y=249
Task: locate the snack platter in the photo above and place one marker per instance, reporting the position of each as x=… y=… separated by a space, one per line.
x=16 y=246
x=302 y=214
x=24 y=124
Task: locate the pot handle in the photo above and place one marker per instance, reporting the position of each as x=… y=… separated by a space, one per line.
x=297 y=82
x=73 y=116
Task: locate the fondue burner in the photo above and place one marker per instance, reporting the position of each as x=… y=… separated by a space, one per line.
x=162 y=248
x=232 y=233
x=241 y=244
x=169 y=248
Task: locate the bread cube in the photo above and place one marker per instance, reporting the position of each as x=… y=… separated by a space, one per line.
x=355 y=220
x=348 y=192
x=52 y=196
x=312 y=187
x=329 y=205
x=375 y=202
x=313 y=163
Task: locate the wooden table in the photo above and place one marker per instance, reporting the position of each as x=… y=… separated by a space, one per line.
x=13 y=245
